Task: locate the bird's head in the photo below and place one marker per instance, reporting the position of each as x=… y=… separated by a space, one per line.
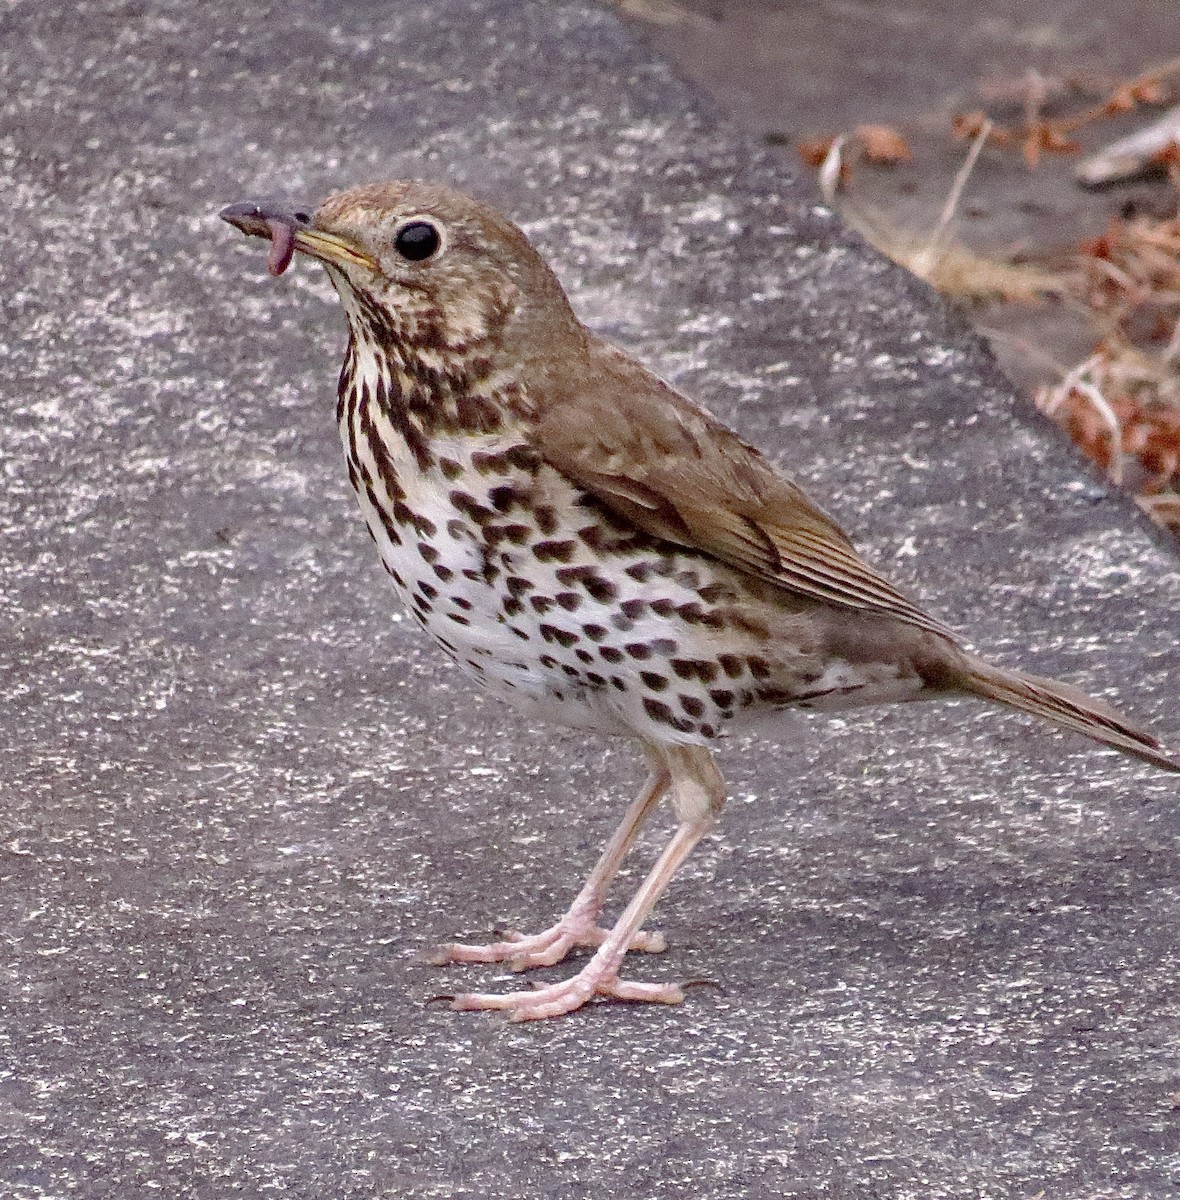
x=419 y=264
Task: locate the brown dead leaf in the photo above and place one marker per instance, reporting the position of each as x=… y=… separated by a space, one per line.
x=1046 y=137
x=883 y=145
x=813 y=151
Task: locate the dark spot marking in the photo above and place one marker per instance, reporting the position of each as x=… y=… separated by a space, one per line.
x=601 y=589
x=611 y=654
x=639 y=650
x=541 y=604
x=596 y=679
x=444 y=573
x=722 y=697
x=458 y=618
x=479 y=513
x=521 y=457
x=731 y=665
x=477 y=413
x=595 y=632
x=404 y=515
x=428 y=552
x=694 y=668
x=584 y=656
x=561 y=551
x=640 y=572
x=518 y=586
x=462 y=602
x=568 y=600
x=502 y=498
x=546 y=519
x=692 y=706
x=512 y=607
x=616 y=682
x=663 y=607
x=759 y=668
x=427 y=589
x=451 y=470
x=591 y=536
x=563 y=637
x=656 y=682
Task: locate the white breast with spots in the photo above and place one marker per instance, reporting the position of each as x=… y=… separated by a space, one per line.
x=521 y=603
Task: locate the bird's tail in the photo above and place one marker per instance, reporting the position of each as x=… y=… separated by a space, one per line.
x=1066 y=706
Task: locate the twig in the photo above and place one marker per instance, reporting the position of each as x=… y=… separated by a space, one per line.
x=924 y=260
x=829 y=173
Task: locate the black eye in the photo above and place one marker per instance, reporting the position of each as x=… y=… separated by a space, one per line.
x=417 y=240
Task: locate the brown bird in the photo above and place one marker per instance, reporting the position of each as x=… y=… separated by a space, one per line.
x=590 y=545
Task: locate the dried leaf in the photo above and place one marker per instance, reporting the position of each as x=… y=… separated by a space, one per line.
x=883 y=145
x=813 y=151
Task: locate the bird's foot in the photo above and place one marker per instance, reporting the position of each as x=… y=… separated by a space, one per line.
x=522 y=952
x=556 y=999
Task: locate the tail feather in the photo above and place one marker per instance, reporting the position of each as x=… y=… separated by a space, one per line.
x=1068 y=707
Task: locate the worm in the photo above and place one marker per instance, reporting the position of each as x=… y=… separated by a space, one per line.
x=282 y=245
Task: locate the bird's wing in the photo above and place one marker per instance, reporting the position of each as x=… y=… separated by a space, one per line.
x=655 y=458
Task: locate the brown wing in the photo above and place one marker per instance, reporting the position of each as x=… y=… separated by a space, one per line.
x=655 y=458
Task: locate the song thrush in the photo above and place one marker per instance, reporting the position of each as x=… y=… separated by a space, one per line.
x=592 y=546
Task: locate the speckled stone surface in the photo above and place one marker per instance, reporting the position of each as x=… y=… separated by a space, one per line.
x=240 y=794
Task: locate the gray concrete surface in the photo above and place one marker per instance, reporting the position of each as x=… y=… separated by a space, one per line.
x=239 y=794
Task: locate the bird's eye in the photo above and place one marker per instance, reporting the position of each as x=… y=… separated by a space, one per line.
x=417 y=240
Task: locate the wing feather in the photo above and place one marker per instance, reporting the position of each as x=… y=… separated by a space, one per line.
x=655 y=458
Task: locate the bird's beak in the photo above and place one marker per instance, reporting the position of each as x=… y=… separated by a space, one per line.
x=290 y=231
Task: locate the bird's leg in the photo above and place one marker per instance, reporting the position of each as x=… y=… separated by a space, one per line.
x=579 y=926
x=698 y=793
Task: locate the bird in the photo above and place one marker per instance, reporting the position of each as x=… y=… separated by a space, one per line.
x=594 y=548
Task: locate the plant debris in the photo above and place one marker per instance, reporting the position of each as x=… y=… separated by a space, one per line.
x=1154 y=145
x=1039 y=134
x=938 y=257
x=1121 y=404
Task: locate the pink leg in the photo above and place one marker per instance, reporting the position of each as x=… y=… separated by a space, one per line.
x=579 y=926
x=698 y=793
